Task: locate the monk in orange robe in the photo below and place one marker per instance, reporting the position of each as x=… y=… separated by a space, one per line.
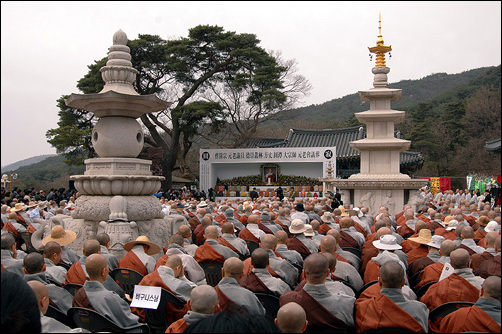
x=453 y=288
x=484 y=316
x=433 y=271
x=203 y=302
x=388 y=308
x=173 y=312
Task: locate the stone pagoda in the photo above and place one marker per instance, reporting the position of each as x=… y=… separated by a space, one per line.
x=115 y=192
x=379 y=181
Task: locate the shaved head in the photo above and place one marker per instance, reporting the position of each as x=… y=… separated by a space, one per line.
x=383 y=231
x=291 y=318
x=91 y=247
x=259 y=258
x=391 y=275
x=233 y=267
x=173 y=261
x=490 y=238
x=268 y=241
x=211 y=232
x=203 y=299
x=184 y=231
x=253 y=219
x=460 y=258
x=447 y=247
x=94 y=265
x=316 y=268
x=282 y=237
x=227 y=227
x=328 y=244
x=491 y=287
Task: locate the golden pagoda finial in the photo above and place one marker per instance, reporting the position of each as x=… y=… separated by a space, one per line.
x=380 y=49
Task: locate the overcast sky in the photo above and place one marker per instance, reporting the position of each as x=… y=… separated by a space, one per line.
x=47 y=46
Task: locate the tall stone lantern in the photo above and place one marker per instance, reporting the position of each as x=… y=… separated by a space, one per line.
x=116 y=190
x=380 y=181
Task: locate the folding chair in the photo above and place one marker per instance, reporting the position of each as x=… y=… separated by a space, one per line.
x=126 y=279
x=423 y=289
x=414 y=280
x=72 y=288
x=367 y=285
x=96 y=322
x=26 y=236
x=52 y=281
x=156 y=319
x=270 y=303
x=55 y=313
x=252 y=245
x=443 y=310
x=212 y=269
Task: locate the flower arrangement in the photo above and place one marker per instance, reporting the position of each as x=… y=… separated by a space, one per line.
x=256 y=180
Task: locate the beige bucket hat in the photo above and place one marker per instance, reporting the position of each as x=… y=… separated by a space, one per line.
x=424 y=236
x=143 y=240
x=60 y=235
x=297 y=226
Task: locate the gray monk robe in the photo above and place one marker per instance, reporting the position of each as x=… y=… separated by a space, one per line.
x=58 y=296
x=229 y=290
x=95 y=296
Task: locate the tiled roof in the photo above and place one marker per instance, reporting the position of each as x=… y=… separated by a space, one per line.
x=340 y=138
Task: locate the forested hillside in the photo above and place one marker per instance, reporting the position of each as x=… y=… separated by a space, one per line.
x=449 y=117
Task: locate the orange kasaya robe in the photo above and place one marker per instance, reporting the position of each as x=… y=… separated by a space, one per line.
x=254 y=283
x=367 y=255
x=194 y=222
x=161 y=261
x=10 y=228
x=248 y=267
x=360 y=229
x=477 y=259
x=430 y=273
x=225 y=303
x=371 y=292
x=469 y=319
x=448 y=235
x=31 y=228
x=316 y=313
x=224 y=242
x=451 y=289
x=324 y=228
x=478 y=235
x=297 y=245
x=372 y=272
x=206 y=252
x=132 y=261
x=220 y=218
x=417 y=253
x=396 y=217
x=408 y=244
x=405 y=230
x=346 y=240
x=244 y=219
x=423 y=218
x=173 y=312
x=75 y=274
x=401 y=220
x=281 y=224
x=246 y=234
x=382 y=312
x=179 y=326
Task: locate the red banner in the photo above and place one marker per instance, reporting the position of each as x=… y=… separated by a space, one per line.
x=445 y=183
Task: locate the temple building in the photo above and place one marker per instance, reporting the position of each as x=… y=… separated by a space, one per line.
x=348 y=160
